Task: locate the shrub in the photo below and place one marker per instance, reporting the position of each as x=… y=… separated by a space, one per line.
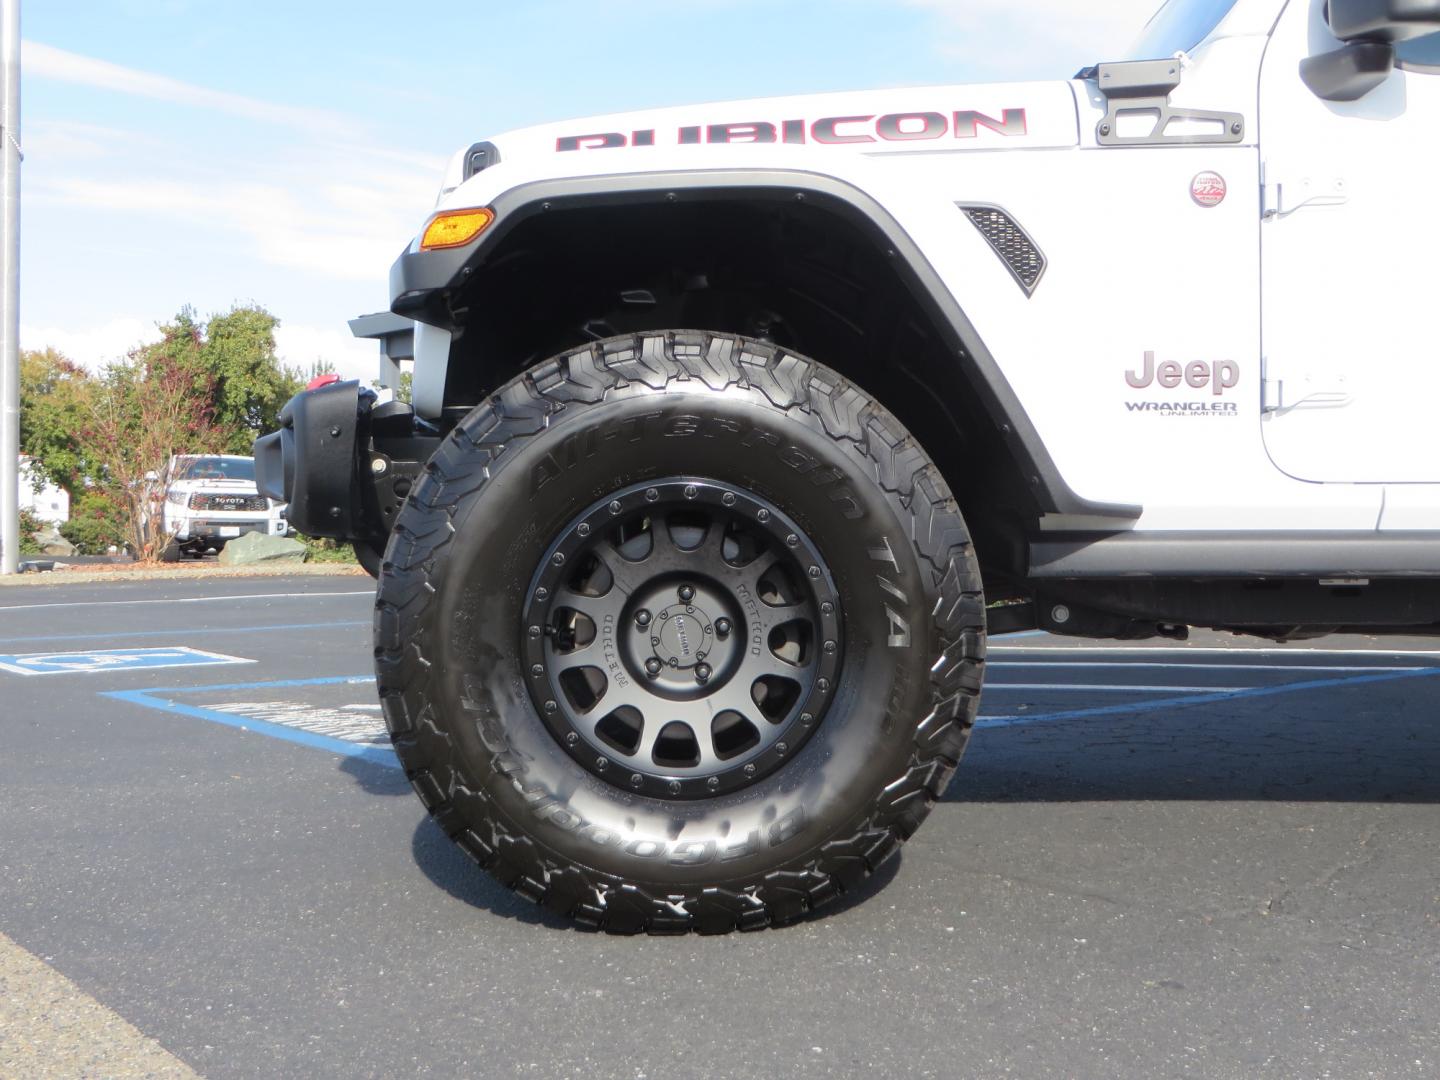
x=95 y=524
x=328 y=551
x=29 y=526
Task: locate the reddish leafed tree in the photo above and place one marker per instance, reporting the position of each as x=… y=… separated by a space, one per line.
x=145 y=410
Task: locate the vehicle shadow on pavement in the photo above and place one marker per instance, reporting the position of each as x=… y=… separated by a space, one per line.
x=375 y=779
x=451 y=869
x=1335 y=757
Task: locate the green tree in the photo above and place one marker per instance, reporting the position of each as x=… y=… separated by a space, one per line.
x=54 y=403
x=144 y=411
x=251 y=385
x=232 y=361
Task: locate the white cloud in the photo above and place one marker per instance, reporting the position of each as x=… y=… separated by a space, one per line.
x=48 y=62
x=91 y=346
x=350 y=233
x=300 y=346
x=1038 y=38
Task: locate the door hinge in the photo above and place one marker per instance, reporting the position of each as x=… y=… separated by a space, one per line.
x=1281 y=198
x=1272 y=392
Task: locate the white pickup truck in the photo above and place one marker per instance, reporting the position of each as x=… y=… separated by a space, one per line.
x=211 y=499
x=737 y=427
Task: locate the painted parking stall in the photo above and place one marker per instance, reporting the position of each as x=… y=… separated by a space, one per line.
x=337 y=714
x=111 y=661
x=1028 y=685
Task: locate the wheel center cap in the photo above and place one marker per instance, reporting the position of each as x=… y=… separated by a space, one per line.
x=687 y=634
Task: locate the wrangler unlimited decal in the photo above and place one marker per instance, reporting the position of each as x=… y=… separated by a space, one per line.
x=827 y=131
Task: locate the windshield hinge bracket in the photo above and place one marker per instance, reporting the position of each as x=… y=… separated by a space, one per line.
x=1139 y=113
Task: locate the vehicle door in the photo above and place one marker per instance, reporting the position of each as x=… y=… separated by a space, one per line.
x=1349 y=233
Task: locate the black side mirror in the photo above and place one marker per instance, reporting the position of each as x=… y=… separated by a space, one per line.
x=1370 y=30
x=1349 y=73
x=1382 y=20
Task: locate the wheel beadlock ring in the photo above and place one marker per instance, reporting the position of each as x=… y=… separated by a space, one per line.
x=622 y=664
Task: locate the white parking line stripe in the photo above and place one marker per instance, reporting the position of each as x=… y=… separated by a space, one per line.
x=1201 y=666
x=1145 y=688
x=188 y=600
x=1185 y=650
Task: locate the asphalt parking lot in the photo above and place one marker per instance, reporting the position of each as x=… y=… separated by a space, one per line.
x=1216 y=859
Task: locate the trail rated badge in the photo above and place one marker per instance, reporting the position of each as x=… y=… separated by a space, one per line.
x=1208 y=189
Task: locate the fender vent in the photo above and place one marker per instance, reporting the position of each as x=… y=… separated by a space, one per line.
x=1025 y=261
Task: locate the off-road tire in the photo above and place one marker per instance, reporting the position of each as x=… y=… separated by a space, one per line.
x=459 y=569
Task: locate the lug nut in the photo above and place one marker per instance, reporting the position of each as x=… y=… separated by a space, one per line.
x=583 y=529
x=537 y=670
x=722 y=627
x=615 y=507
x=728 y=498
x=792 y=540
x=691 y=491
x=687 y=593
x=762 y=515
x=651 y=494
x=642 y=618
x=713 y=782
x=636 y=779
x=674 y=787
x=652 y=667
x=702 y=674
x=814 y=571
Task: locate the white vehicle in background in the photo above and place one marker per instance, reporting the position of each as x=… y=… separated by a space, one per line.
x=211 y=499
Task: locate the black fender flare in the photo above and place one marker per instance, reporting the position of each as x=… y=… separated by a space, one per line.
x=421 y=281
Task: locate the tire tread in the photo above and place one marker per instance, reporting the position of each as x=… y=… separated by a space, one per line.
x=522 y=409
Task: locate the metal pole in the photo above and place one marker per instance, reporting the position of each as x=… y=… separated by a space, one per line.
x=10 y=286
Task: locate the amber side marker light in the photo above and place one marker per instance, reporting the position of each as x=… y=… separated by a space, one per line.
x=454 y=228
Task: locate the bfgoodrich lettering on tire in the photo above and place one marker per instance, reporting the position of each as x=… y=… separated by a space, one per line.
x=680 y=631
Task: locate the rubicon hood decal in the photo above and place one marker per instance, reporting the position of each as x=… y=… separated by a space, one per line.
x=826 y=131
x=938 y=118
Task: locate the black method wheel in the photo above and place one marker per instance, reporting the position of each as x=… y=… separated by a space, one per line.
x=679 y=631
x=682 y=638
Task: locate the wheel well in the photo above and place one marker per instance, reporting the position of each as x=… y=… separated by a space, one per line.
x=795 y=274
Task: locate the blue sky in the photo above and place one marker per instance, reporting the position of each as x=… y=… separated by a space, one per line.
x=213 y=152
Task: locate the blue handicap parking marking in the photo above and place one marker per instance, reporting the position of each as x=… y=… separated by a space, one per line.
x=112 y=660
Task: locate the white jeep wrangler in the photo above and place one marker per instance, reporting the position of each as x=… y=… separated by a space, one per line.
x=736 y=427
